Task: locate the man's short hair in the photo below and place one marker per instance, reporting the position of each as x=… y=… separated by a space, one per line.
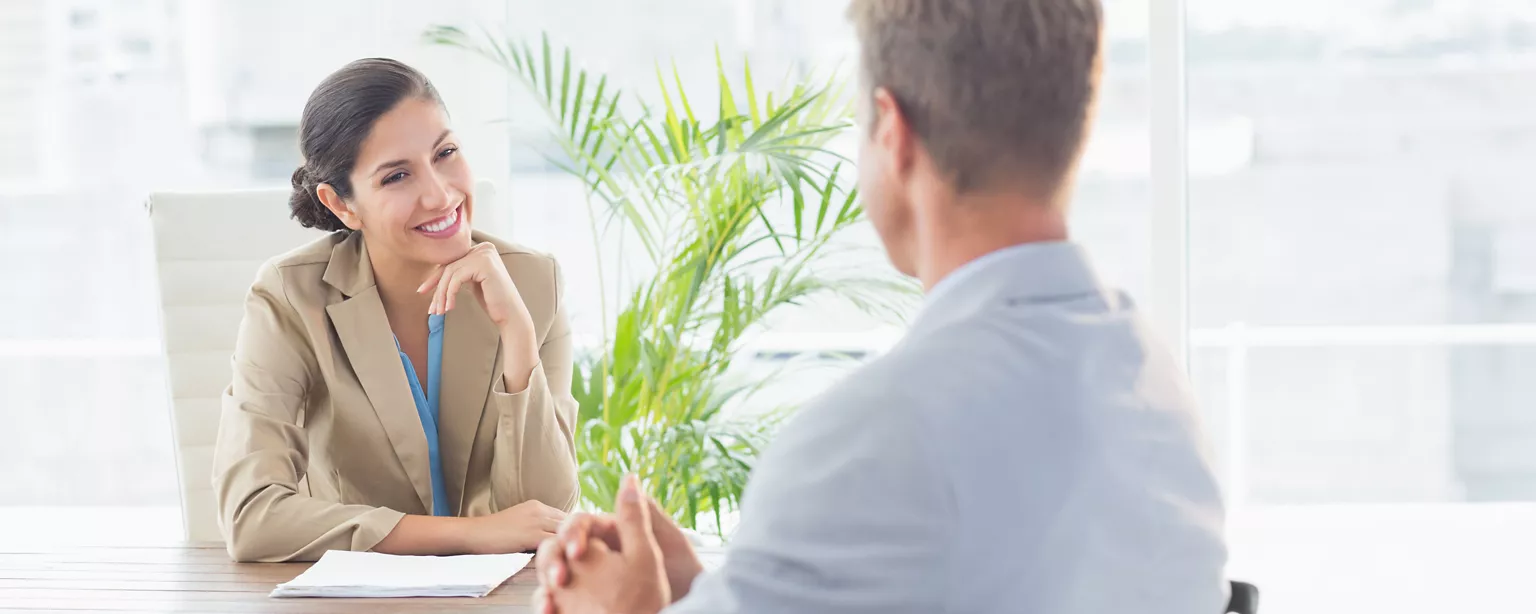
x=994 y=89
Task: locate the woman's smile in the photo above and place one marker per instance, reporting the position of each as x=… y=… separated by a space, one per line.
x=443 y=227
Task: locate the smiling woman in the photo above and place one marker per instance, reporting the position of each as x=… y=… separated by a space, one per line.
x=402 y=384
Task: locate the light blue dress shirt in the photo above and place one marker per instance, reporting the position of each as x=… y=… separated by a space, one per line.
x=1027 y=448
x=426 y=407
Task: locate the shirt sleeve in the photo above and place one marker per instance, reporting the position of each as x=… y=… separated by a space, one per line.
x=846 y=515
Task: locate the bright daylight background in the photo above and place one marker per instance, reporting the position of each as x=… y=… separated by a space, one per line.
x=1362 y=245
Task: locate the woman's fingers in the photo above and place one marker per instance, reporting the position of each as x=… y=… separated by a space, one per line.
x=437 y=292
x=440 y=298
x=460 y=276
x=466 y=270
x=451 y=277
x=437 y=273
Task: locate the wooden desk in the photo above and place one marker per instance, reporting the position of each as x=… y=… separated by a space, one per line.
x=193 y=578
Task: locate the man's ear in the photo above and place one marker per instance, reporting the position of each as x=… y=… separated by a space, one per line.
x=892 y=132
x=339 y=207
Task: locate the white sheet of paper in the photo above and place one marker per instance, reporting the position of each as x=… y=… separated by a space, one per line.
x=369 y=574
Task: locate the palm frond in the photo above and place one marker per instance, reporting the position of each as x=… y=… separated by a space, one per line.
x=741 y=213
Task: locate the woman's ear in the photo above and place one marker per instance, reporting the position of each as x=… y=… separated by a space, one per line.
x=339 y=207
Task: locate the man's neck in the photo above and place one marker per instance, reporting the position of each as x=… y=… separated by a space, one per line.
x=973 y=226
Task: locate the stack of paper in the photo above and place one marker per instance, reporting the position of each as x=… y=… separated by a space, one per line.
x=370 y=574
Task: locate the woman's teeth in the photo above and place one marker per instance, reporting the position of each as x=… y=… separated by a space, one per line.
x=441 y=224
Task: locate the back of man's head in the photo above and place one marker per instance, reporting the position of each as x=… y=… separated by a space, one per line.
x=996 y=91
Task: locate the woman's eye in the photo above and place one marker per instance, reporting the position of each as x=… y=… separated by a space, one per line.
x=394 y=177
x=447 y=152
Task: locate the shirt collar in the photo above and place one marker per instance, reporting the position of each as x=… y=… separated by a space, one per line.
x=973 y=268
x=1028 y=272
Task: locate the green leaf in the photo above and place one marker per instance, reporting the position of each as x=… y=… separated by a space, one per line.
x=826 y=197
x=549 y=74
x=850 y=210
x=774 y=122
x=581 y=86
x=532 y=74
x=746 y=76
x=773 y=234
x=682 y=95
x=593 y=124
x=730 y=117
x=798 y=208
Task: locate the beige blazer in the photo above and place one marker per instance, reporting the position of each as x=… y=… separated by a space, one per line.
x=320 y=447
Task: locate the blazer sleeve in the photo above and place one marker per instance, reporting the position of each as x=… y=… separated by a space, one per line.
x=535 y=449
x=262 y=452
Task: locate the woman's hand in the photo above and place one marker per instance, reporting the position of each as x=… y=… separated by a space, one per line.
x=519 y=528
x=483 y=269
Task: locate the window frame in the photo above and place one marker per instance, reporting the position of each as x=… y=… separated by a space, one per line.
x=1168 y=298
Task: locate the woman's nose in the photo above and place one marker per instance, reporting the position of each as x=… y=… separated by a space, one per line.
x=439 y=194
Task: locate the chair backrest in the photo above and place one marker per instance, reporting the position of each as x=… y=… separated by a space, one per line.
x=208 y=247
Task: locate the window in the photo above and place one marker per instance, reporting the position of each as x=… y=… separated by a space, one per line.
x=801 y=37
x=21 y=27
x=1364 y=325
x=274 y=151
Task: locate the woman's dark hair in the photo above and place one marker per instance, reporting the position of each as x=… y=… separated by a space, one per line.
x=338 y=117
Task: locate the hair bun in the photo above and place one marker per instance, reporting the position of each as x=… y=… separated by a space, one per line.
x=301 y=177
x=305 y=205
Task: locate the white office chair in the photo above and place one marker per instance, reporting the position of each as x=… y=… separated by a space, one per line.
x=208 y=247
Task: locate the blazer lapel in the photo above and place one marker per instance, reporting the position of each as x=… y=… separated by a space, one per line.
x=471 y=353
x=363 y=329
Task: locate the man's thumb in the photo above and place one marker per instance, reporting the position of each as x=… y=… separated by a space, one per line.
x=635 y=521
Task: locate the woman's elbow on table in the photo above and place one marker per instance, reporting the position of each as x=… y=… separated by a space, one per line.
x=245 y=539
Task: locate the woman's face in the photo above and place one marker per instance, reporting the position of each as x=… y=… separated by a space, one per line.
x=412 y=190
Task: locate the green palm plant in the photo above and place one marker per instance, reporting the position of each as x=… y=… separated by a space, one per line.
x=737 y=215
